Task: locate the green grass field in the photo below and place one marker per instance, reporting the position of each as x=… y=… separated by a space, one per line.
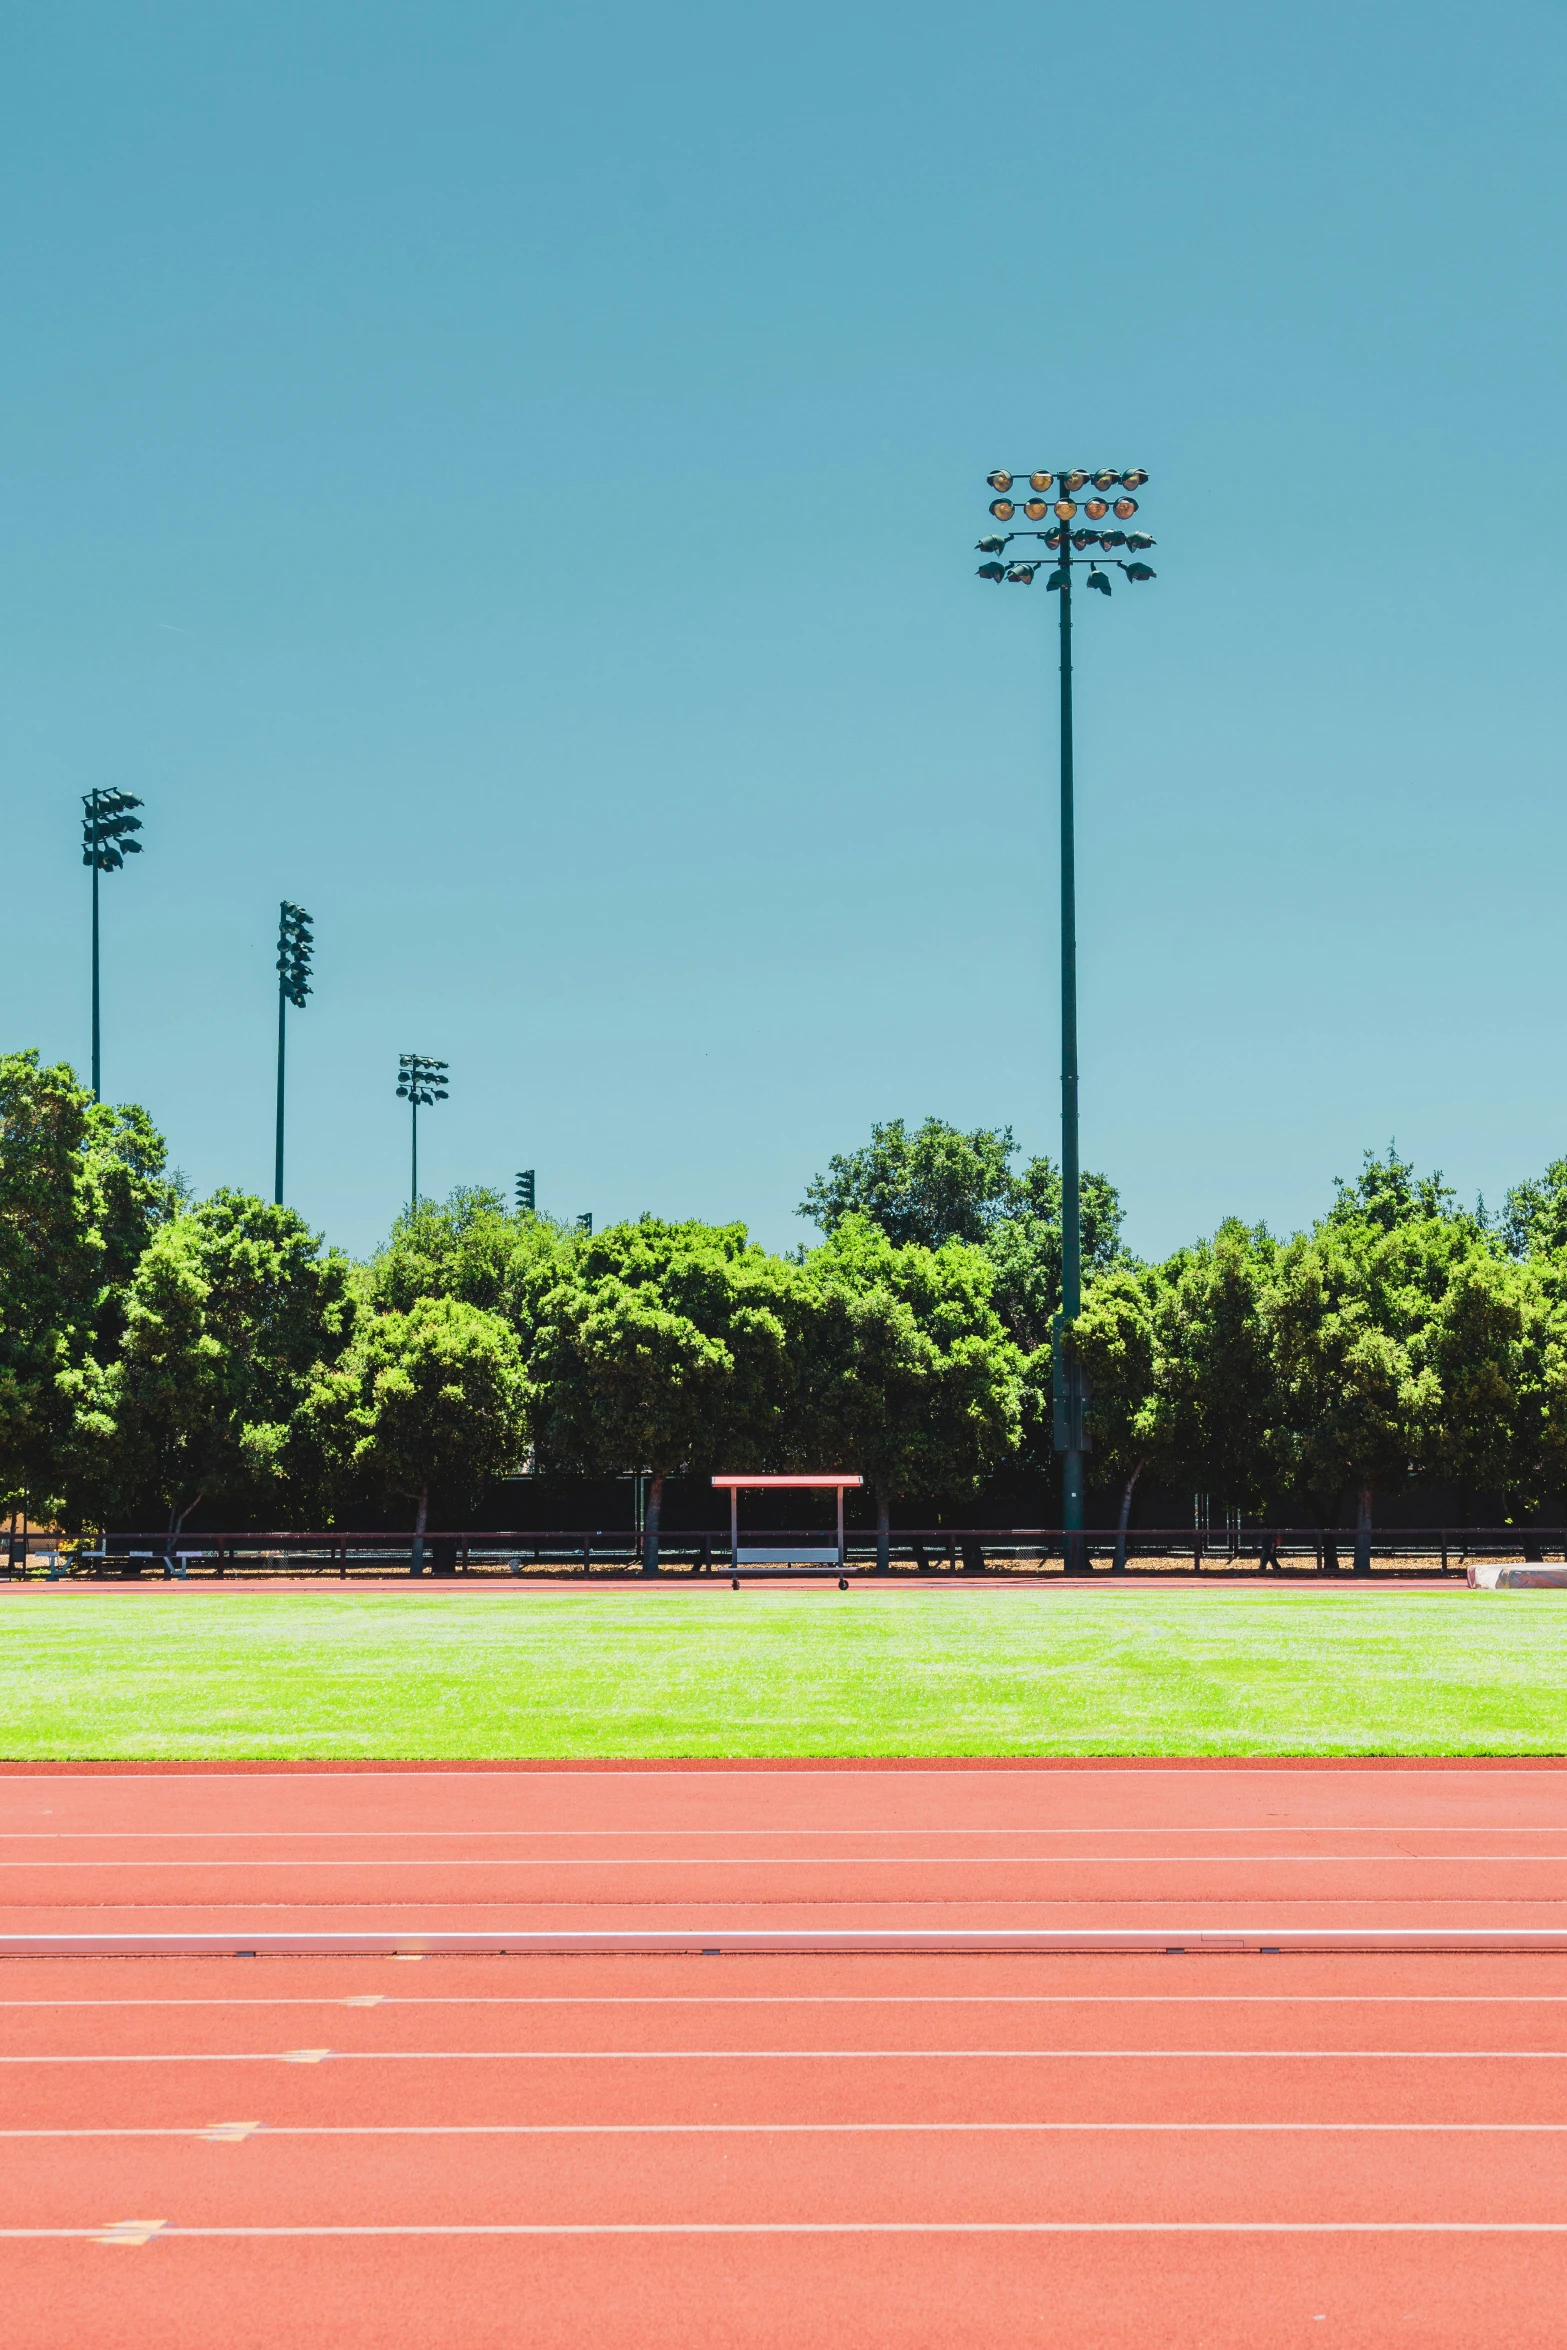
x=782 y=1673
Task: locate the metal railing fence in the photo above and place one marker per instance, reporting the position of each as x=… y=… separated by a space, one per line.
x=346 y=1554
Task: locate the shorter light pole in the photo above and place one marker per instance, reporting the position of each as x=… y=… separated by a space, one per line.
x=420 y=1081
x=106 y=843
x=526 y=1193
x=295 y=946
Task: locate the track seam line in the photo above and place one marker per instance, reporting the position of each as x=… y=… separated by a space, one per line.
x=781 y=2129
x=1000 y=2227
x=807 y=2055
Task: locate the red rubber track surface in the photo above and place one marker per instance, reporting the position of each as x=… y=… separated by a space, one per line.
x=606 y=1851
x=921 y=2151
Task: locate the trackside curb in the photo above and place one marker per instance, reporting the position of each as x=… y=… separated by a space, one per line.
x=785 y=1942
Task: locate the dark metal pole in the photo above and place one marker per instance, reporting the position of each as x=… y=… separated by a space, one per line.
x=414 y=1196
x=97 y=1069
x=277 y=1173
x=1071 y=1223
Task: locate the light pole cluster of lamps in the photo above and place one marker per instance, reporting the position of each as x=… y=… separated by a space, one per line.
x=109 y=827
x=295 y=945
x=420 y=1082
x=1075 y=533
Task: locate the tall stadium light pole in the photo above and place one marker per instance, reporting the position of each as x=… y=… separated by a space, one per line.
x=107 y=827
x=420 y=1081
x=1068 y=539
x=295 y=946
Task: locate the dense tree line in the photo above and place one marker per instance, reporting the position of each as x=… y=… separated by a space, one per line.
x=159 y=1352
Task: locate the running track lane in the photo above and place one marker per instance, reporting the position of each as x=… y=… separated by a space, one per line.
x=1217 y=2151
x=905 y=2150
x=400 y=1850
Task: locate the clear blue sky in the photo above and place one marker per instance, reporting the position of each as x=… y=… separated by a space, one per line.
x=506 y=476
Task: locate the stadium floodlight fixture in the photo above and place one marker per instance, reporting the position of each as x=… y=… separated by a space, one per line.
x=585 y=1222
x=420 y=1081
x=527 y=1199
x=1089 y=547
x=989 y=546
x=295 y=946
x=108 y=827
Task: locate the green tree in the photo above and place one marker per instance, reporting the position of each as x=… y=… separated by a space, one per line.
x=665 y=1347
x=472 y=1247
x=83 y=1187
x=1399 y=1327
x=927 y=1187
x=1534 y=1215
x=939 y=1184
x=1468 y=1332
x=1117 y=1338
x=1216 y=1401
x=1024 y=1248
x=1536 y=1470
x=1387 y=1193
x=232 y=1306
x=912 y=1379
x=1355 y=1397
x=435 y=1396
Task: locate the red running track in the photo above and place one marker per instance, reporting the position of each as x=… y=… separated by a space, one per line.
x=581 y=1853
x=849 y=2149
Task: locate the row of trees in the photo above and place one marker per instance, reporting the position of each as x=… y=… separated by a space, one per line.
x=160 y=1352
x=157 y=1352
x=1405 y=1340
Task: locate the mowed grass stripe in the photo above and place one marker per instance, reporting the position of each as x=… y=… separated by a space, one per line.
x=383 y=1674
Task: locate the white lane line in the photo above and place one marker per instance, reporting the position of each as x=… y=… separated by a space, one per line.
x=848 y=2227
x=853 y=1999
x=198 y=1902
x=630 y=1835
x=835 y=1860
x=277 y=1903
x=230 y=2133
x=809 y=2055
